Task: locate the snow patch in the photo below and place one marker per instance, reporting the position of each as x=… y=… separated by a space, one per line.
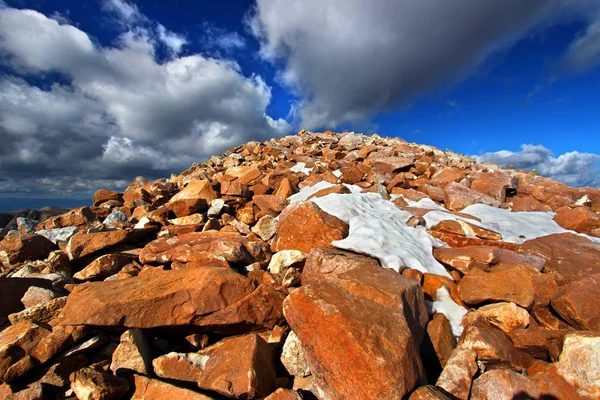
x=301 y=167
x=378 y=228
x=305 y=193
x=446 y=305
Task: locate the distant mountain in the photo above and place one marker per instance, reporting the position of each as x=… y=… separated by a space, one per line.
x=9 y=205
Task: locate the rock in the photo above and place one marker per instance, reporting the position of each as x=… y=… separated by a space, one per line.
x=103 y=266
x=541 y=343
x=234 y=188
x=465 y=258
x=457 y=375
x=26 y=225
x=195 y=197
x=132 y=354
x=579 y=364
x=58 y=374
x=153 y=389
x=115 y=218
x=40 y=313
x=36 y=295
x=28 y=247
x=304 y=226
x=216 y=207
x=457 y=197
x=512 y=283
x=577 y=303
x=193 y=246
x=284 y=259
x=428 y=392
x=361 y=331
x=13 y=289
x=293 y=356
x=440 y=334
x=578 y=219
x=84 y=244
x=59 y=235
x=239 y=367
x=218 y=298
x=493 y=347
x=103 y=195
x=79 y=218
x=392 y=164
x=503 y=384
x=494 y=185
x=284 y=394
x=464 y=228
x=266 y=227
x=447 y=176
x=338 y=189
x=325 y=262
x=186 y=367
x=569 y=257
x=91 y=384
x=506 y=316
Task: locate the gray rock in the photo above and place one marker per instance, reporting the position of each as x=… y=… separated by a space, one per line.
x=59 y=235
x=115 y=216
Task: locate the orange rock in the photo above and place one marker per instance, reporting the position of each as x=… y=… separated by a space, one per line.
x=324 y=262
x=447 y=176
x=89 y=383
x=428 y=392
x=103 y=266
x=233 y=188
x=541 y=343
x=304 y=226
x=28 y=247
x=153 y=389
x=503 y=384
x=465 y=228
x=103 y=195
x=457 y=197
x=464 y=258
x=284 y=394
x=239 y=367
x=269 y=204
x=462 y=241
x=457 y=375
x=339 y=189
x=337 y=318
x=195 y=197
x=569 y=257
x=392 y=164
x=493 y=184
x=503 y=283
x=79 y=217
x=215 y=297
x=578 y=219
x=526 y=202
x=577 y=303
x=83 y=244
x=193 y=247
x=442 y=339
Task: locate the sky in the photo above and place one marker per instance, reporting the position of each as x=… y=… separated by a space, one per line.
x=94 y=93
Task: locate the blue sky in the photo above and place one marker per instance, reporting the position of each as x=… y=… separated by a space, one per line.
x=94 y=93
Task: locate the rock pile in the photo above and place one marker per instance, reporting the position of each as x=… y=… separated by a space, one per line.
x=320 y=265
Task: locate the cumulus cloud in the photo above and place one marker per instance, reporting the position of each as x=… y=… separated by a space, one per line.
x=348 y=59
x=573 y=168
x=119 y=112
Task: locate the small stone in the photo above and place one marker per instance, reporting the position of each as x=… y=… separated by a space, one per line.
x=266 y=227
x=284 y=259
x=195 y=197
x=186 y=367
x=457 y=375
x=440 y=334
x=293 y=356
x=103 y=266
x=115 y=218
x=132 y=354
x=91 y=384
x=216 y=207
x=506 y=316
x=37 y=295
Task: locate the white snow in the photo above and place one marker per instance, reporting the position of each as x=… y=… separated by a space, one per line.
x=337 y=173
x=378 y=228
x=310 y=190
x=301 y=167
x=446 y=305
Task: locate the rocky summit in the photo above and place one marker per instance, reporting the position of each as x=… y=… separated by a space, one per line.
x=314 y=266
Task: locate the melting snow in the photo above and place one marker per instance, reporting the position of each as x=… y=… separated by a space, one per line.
x=446 y=305
x=301 y=167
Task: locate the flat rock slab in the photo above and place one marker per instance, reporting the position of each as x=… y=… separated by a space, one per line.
x=216 y=297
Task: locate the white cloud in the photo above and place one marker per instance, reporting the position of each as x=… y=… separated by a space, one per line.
x=219 y=38
x=584 y=53
x=172 y=40
x=123 y=113
x=126 y=13
x=573 y=168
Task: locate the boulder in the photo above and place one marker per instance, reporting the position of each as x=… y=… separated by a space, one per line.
x=218 y=298
x=293 y=356
x=579 y=363
x=187 y=367
x=132 y=355
x=458 y=373
x=195 y=197
x=84 y=244
x=91 y=384
x=569 y=257
x=103 y=266
x=12 y=291
x=577 y=303
x=21 y=248
x=304 y=226
x=154 y=389
x=578 y=219
x=457 y=197
x=103 y=195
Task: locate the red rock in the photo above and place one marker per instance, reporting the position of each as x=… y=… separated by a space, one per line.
x=507 y=283
x=79 y=217
x=196 y=247
x=577 y=303
x=304 y=226
x=511 y=257
x=464 y=228
x=541 y=343
x=392 y=164
x=457 y=197
x=103 y=195
x=234 y=188
x=324 y=262
x=465 y=258
x=89 y=383
x=506 y=316
x=241 y=367
x=284 y=394
x=569 y=257
x=447 y=176
x=195 y=197
x=503 y=384
x=493 y=184
x=41 y=313
x=84 y=244
x=218 y=298
x=440 y=334
x=269 y=204
x=28 y=247
x=103 y=266
x=428 y=392
x=361 y=331
x=186 y=367
x=462 y=241
x=493 y=347
x=338 y=189
x=579 y=364
x=153 y=389
x=132 y=354
x=578 y=219
x=457 y=375
x=525 y=202
x=284 y=190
